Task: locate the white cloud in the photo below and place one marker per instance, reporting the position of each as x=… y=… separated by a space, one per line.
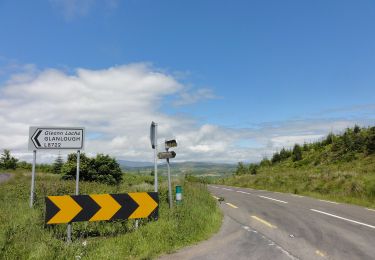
x=187 y=98
x=117 y=105
x=78 y=8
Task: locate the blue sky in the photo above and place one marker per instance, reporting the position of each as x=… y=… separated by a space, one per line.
x=247 y=65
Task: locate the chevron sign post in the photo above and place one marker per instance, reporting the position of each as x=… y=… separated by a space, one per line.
x=97 y=207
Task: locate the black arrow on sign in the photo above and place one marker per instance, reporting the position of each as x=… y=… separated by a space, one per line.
x=89 y=208
x=35 y=138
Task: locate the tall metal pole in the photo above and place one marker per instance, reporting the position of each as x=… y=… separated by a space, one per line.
x=77 y=175
x=33 y=180
x=156 y=159
x=69 y=230
x=169 y=185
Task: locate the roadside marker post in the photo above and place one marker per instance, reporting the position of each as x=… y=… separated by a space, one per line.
x=178 y=195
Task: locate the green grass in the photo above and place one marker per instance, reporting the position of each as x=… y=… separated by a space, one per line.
x=349 y=182
x=23 y=234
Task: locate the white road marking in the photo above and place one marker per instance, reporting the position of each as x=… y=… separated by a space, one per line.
x=295 y=195
x=319 y=253
x=227 y=189
x=330 y=201
x=231 y=205
x=347 y=219
x=272 y=199
x=370 y=209
x=244 y=192
x=215 y=197
x=271 y=243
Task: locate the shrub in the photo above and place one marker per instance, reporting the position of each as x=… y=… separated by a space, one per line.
x=102 y=168
x=265 y=162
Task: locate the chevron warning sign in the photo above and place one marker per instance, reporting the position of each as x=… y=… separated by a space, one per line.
x=96 y=207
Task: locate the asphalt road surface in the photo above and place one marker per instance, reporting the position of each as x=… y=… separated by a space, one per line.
x=269 y=225
x=4 y=177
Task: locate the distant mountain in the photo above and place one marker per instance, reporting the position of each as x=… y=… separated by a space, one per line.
x=178 y=168
x=132 y=164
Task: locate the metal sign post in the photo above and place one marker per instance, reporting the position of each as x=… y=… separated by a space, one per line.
x=169 y=185
x=33 y=180
x=167 y=155
x=77 y=176
x=154 y=145
x=69 y=229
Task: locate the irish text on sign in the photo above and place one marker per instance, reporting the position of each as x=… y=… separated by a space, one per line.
x=97 y=207
x=60 y=138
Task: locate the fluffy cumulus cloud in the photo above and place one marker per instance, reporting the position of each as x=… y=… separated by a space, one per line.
x=117 y=105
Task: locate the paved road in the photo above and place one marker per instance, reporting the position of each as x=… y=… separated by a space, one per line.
x=4 y=177
x=269 y=225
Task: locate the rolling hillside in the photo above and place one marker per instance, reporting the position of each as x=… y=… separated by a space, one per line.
x=340 y=167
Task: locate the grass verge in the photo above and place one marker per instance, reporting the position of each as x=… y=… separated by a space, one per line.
x=24 y=236
x=348 y=182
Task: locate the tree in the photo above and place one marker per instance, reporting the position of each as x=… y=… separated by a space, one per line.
x=57 y=165
x=7 y=161
x=275 y=158
x=241 y=169
x=370 y=141
x=284 y=154
x=102 y=168
x=265 y=162
x=297 y=153
x=253 y=168
x=329 y=139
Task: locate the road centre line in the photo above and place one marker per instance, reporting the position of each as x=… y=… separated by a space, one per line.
x=263 y=221
x=319 y=253
x=231 y=205
x=346 y=219
x=227 y=189
x=244 y=192
x=295 y=195
x=330 y=201
x=272 y=199
x=370 y=209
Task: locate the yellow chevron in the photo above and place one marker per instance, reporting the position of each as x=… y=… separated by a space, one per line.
x=109 y=206
x=68 y=209
x=145 y=202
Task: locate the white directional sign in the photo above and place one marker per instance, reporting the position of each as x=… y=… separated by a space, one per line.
x=59 y=138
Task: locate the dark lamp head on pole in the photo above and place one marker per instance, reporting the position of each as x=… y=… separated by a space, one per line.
x=170 y=143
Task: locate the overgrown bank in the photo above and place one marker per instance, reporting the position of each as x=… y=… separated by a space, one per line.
x=23 y=235
x=339 y=167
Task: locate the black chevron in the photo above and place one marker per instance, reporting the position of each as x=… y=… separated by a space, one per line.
x=89 y=208
x=51 y=209
x=128 y=206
